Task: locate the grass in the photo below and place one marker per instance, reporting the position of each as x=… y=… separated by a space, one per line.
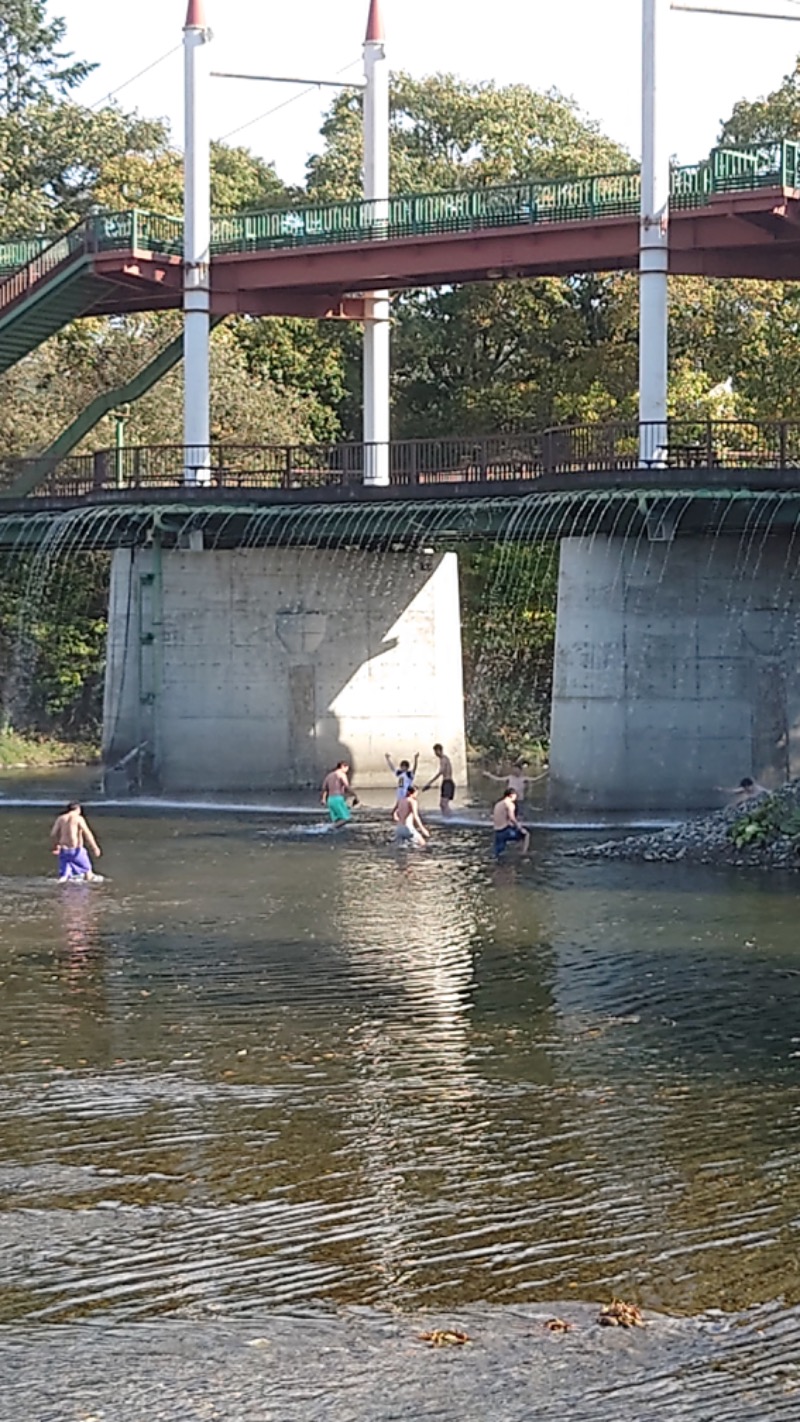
x=22 y=752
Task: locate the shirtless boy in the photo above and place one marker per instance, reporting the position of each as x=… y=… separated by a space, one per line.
x=516 y=779
x=335 y=789
x=68 y=837
x=404 y=774
x=507 y=828
x=447 y=788
x=410 y=829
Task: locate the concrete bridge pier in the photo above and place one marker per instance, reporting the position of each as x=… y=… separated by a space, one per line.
x=677 y=669
x=258 y=669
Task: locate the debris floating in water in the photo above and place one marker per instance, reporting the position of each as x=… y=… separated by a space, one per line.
x=558 y=1325
x=444 y=1337
x=620 y=1315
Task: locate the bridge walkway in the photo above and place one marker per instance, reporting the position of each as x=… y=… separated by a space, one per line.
x=735 y=214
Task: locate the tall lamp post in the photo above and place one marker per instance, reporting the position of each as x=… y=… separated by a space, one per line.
x=654 y=222
x=196 y=247
x=377 y=330
x=653 y=240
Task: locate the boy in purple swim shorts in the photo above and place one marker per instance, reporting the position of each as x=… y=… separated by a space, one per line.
x=68 y=837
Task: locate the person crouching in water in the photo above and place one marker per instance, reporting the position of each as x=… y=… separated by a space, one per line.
x=69 y=837
x=410 y=829
x=507 y=828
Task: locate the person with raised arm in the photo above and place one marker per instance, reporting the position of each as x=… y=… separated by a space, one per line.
x=404 y=774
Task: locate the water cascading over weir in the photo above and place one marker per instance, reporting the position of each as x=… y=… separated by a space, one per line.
x=257 y=636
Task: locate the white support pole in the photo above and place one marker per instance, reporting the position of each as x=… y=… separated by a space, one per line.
x=196 y=246
x=377 y=327
x=653 y=240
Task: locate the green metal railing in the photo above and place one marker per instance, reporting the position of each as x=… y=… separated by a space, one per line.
x=19 y=253
x=410 y=215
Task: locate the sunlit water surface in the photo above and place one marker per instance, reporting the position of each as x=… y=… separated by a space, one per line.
x=274 y=1100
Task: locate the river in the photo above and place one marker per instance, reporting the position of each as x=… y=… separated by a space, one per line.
x=276 y=1100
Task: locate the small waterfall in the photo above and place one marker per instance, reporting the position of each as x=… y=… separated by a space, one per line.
x=514 y=541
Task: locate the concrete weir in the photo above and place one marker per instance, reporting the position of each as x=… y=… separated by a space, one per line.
x=677 y=668
x=258 y=669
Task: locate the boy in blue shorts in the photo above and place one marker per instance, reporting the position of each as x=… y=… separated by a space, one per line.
x=507 y=828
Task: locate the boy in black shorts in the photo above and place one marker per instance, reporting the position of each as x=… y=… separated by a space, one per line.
x=447 y=789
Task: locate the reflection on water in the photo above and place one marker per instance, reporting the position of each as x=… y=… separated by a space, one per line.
x=260 y=1070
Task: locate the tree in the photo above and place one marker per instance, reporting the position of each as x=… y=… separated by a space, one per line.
x=153 y=179
x=32 y=66
x=447 y=133
x=52 y=157
x=767 y=120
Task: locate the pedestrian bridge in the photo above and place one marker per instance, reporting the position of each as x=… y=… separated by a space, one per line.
x=454 y=489
x=735 y=214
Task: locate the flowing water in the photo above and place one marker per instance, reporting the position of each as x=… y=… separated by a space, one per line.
x=276 y=1099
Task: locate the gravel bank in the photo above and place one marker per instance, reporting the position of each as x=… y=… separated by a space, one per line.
x=707 y=839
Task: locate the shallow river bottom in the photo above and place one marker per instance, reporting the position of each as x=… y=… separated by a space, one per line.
x=275 y=1100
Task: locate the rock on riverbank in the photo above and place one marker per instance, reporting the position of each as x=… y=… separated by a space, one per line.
x=708 y=839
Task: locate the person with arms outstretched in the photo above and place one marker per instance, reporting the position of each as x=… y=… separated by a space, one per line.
x=447 y=788
x=69 y=837
x=747 y=789
x=516 y=780
x=404 y=774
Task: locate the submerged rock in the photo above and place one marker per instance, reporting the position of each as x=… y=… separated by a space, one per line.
x=713 y=838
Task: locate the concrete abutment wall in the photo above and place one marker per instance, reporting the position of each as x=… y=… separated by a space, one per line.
x=258 y=669
x=677 y=669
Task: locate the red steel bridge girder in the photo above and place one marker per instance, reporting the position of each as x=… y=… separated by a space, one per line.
x=739 y=234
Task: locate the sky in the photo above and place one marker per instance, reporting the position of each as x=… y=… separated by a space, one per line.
x=588 y=50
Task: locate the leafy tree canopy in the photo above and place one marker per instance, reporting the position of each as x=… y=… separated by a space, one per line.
x=766 y=120
x=447 y=133
x=33 y=66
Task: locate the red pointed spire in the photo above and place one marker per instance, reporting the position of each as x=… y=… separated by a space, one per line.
x=195 y=16
x=375 y=31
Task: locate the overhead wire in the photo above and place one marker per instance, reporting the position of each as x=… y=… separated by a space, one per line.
x=312 y=88
x=138 y=75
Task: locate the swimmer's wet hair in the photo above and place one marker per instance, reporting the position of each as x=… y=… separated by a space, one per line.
x=746 y=783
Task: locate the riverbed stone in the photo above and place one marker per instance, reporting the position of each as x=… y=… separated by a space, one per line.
x=707 y=839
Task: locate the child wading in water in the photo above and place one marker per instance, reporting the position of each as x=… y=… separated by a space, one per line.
x=68 y=837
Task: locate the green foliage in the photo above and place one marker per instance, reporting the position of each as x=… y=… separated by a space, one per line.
x=770 y=819
x=32 y=67
x=52 y=644
x=508 y=594
x=766 y=120
x=17 y=750
x=448 y=133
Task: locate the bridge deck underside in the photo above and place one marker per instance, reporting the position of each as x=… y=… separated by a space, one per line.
x=642 y=505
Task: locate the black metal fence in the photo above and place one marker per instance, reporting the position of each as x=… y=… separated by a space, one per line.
x=678 y=445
